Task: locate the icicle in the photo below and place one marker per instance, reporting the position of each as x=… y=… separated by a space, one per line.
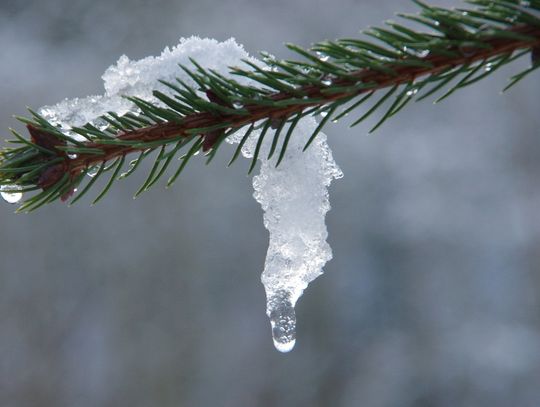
x=294 y=197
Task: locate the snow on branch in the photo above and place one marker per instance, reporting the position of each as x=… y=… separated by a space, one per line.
x=201 y=93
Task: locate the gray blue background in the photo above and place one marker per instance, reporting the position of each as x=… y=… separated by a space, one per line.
x=433 y=296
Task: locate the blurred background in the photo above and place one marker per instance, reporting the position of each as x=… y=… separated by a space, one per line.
x=433 y=296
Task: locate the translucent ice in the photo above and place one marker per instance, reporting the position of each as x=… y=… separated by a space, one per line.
x=10 y=193
x=283 y=320
x=294 y=196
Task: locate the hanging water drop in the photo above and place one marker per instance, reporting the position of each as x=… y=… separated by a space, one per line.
x=412 y=92
x=238 y=105
x=326 y=81
x=322 y=57
x=100 y=124
x=72 y=156
x=280 y=310
x=269 y=68
x=132 y=164
x=420 y=53
x=9 y=193
x=488 y=67
x=92 y=171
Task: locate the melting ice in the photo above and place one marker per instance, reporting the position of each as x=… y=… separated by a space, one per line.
x=294 y=196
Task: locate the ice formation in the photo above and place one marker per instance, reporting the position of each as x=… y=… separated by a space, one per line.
x=294 y=196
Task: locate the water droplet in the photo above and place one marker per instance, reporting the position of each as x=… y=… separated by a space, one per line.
x=326 y=81
x=132 y=164
x=238 y=105
x=100 y=124
x=9 y=193
x=324 y=113
x=412 y=92
x=283 y=321
x=420 y=53
x=72 y=156
x=92 y=171
x=488 y=67
x=322 y=57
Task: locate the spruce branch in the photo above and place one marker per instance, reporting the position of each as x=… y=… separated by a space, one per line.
x=332 y=78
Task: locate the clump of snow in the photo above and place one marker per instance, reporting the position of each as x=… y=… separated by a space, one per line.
x=140 y=78
x=294 y=196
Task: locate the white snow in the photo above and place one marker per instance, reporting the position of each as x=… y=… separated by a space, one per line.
x=294 y=196
x=140 y=78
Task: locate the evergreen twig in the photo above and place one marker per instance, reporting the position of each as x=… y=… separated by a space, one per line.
x=461 y=46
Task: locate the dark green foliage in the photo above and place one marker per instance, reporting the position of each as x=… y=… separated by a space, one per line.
x=333 y=78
